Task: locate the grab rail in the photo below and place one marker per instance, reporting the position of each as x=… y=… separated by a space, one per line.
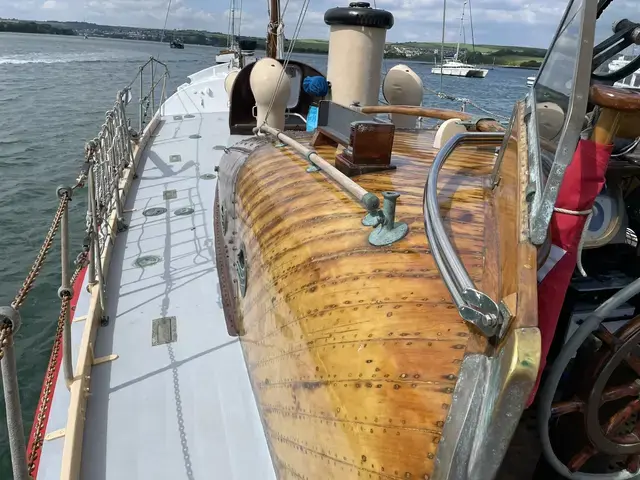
x=473 y=305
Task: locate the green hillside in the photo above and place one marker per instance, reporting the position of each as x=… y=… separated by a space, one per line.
x=424 y=51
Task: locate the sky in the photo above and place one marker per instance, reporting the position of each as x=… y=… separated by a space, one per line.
x=496 y=22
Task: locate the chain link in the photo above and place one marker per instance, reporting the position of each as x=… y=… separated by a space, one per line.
x=27 y=285
x=5 y=337
x=50 y=374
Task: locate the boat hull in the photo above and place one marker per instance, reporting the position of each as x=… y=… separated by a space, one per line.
x=461 y=72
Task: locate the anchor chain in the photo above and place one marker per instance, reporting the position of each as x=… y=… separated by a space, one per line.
x=6 y=331
x=50 y=374
x=27 y=285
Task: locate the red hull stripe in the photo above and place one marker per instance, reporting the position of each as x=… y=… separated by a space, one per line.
x=56 y=360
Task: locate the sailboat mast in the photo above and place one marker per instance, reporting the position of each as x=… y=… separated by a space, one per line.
x=272 y=37
x=461 y=27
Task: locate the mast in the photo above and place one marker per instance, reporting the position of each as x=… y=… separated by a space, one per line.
x=461 y=27
x=272 y=31
x=231 y=37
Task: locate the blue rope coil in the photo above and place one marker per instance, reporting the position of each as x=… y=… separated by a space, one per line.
x=316 y=86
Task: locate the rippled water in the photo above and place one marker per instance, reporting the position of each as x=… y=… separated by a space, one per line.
x=53 y=95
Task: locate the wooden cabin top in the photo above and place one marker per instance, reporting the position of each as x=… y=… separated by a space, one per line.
x=354 y=350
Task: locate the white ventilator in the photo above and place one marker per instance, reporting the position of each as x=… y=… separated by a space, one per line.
x=402 y=86
x=270 y=86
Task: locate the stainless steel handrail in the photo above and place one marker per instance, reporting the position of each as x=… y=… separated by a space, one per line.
x=473 y=305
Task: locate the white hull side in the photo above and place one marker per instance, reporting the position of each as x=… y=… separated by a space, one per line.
x=461 y=72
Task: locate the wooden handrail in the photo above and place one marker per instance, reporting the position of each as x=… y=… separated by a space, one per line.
x=437 y=113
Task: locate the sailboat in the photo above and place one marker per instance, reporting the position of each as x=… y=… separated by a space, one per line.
x=282 y=278
x=456 y=68
x=230 y=53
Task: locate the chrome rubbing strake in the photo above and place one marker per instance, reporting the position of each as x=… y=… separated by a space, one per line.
x=473 y=305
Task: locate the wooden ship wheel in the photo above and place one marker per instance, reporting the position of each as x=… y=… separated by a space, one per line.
x=607 y=404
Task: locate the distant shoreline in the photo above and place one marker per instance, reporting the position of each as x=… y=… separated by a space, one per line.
x=427 y=52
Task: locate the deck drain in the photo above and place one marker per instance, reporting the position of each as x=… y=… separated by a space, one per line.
x=146 y=261
x=169 y=195
x=188 y=115
x=219 y=147
x=184 y=211
x=175 y=158
x=154 y=211
x=163 y=331
x=195 y=135
x=177 y=117
x=208 y=176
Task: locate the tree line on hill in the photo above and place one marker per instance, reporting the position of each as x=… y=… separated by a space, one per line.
x=33 y=27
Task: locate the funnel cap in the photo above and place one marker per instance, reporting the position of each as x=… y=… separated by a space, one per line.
x=359 y=14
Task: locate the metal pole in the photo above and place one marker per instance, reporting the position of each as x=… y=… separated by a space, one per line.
x=140 y=119
x=91 y=256
x=65 y=290
x=153 y=89
x=96 y=237
x=164 y=86
x=15 y=428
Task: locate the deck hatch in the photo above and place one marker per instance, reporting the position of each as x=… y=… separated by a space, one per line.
x=175 y=158
x=184 y=211
x=154 y=211
x=169 y=195
x=163 y=331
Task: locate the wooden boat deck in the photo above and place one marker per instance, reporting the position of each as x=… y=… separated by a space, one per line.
x=353 y=350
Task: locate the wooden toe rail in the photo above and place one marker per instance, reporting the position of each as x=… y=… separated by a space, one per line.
x=437 y=113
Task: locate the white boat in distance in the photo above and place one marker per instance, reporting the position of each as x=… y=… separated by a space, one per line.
x=631 y=81
x=456 y=68
x=459 y=69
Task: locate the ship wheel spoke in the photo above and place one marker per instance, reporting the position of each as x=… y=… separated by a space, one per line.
x=562 y=408
x=621 y=416
x=606 y=337
x=613 y=342
x=616 y=393
x=580 y=458
x=633 y=463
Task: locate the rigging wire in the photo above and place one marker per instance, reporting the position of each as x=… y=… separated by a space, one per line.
x=473 y=41
x=164 y=28
x=444 y=17
x=240 y=20
x=296 y=33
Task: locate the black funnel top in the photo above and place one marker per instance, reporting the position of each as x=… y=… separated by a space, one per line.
x=359 y=14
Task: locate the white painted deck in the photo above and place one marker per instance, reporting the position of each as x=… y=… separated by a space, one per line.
x=183 y=410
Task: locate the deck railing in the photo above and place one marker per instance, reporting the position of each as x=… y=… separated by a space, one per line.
x=110 y=161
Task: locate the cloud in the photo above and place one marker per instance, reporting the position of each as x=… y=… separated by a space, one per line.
x=502 y=22
x=54 y=5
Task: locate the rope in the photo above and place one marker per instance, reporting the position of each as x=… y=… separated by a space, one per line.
x=36 y=268
x=464 y=101
x=589 y=214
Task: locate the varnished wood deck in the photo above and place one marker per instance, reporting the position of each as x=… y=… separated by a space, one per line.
x=353 y=350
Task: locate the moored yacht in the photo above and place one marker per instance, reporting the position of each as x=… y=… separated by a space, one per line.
x=458 y=69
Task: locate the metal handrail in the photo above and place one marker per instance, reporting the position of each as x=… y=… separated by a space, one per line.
x=473 y=305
